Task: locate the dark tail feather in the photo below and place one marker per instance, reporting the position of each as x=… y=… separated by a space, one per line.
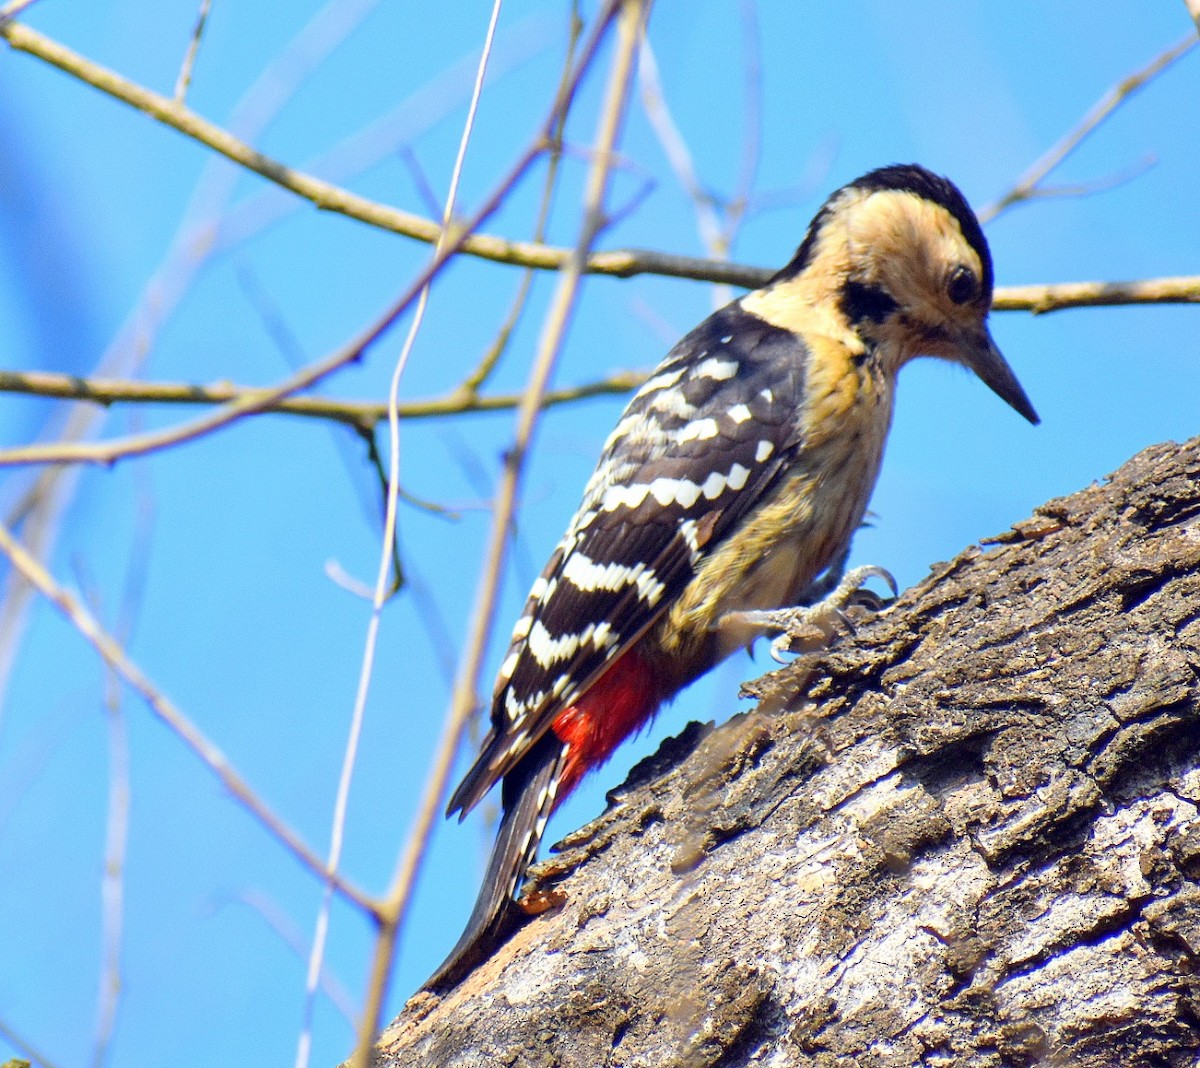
x=528 y=799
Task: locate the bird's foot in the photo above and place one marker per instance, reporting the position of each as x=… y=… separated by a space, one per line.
x=810 y=627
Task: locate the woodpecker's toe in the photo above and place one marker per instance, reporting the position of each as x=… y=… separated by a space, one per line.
x=809 y=628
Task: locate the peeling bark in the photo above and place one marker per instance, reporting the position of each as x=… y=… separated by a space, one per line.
x=967 y=835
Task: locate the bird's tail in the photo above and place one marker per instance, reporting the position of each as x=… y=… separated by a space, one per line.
x=527 y=795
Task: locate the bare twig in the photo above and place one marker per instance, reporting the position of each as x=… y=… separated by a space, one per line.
x=328 y=197
x=464 y=700
x=118 y=660
x=717 y=220
x=42 y=512
x=21 y=1046
x=381 y=139
x=739 y=203
x=676 y=150
x=487 y=364
x=112 y=891
x=1098 y=185
x=1038 y=299
x=112 y=887
x=1027 y=185
x=420 y=179
x=622 y=263
x=53 y=491
x=382 y=591
x=362 y=415
x=13 y=8
x=189 y=59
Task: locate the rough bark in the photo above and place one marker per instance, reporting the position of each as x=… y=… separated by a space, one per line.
x=966 y=835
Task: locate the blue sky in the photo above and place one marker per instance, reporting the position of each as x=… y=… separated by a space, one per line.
x=227 y=540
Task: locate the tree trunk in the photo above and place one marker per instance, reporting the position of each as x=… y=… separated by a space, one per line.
x=967 y=835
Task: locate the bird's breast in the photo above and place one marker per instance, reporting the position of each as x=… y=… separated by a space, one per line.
x=804 y=522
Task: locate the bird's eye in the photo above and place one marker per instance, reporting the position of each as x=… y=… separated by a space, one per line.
x=963 y=286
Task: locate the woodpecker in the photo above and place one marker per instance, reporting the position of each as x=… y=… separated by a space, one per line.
x=733 y=481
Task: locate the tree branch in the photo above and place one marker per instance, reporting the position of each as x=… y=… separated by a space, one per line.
x=1182 y=289
x=118 y=661
x=362 y=415
x=1027 y=186
x=620 y=263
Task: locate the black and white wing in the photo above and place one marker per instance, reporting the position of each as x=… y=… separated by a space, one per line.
x=701 y=442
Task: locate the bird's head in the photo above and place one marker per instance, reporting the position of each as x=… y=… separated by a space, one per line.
x=903 y=257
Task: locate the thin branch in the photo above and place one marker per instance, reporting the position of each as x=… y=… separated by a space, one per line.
x=419 y=178
x=329 y=197
x=416 y=114
x=184 y=80
x=752 y=134
x=382 y=587
x=112 y=886
x=1184 y=289
x=21 y=1046
x=463 y=699
x=487 y=364
x=621 y=263
x=365 y=415
x=1026 y=185
x=118 y=661
x=13 y=8
x=361 y=415
x=675 y=148
x=447 y=245
x=1097 y=185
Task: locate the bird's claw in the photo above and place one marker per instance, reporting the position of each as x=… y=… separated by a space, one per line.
x=812 y=627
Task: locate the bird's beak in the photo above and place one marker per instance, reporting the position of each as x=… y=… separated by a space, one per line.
x=979 y=353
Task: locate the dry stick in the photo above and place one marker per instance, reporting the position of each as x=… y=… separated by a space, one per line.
x=463 y=700
x=137 y=445
x=621 y=263
x=13 y=8
x=23 y=1047
x=356 y=152
x=1026 y=186
x=1184 y=289
x=329 y=197
x=675 y=148
x=116 y=658
x=469 y=387
x=184 y=81
x=360 y=415
x=112 y=886
x=717 y=235
x=382 y=591
x=735 y=209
